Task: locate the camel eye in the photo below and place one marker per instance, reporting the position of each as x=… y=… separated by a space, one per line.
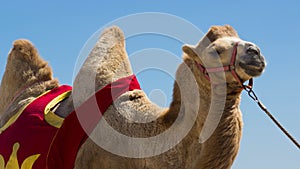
x=219 y=51
x=215 y=52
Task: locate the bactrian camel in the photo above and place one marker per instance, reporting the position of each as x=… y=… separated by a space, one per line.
x=195 y=92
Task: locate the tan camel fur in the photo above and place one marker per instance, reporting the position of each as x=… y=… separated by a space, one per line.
x=26 y=76
x=192 y=97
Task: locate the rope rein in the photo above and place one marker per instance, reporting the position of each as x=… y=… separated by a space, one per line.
x=254 y=97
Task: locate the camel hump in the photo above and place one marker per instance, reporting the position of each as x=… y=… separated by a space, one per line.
x=24 y=47
x=23 y=43
x=107 y=62
x=112 y=36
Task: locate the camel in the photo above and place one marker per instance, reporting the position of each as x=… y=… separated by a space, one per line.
x=134 y=115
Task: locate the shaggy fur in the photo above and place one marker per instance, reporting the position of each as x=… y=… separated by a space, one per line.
x=107 y=62
x=26 y=76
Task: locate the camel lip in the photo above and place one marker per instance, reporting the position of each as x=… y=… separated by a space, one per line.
x=254 y=72
x=253 y=68
x=252 y=65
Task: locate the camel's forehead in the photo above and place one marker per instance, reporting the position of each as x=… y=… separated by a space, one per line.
x=228 y=40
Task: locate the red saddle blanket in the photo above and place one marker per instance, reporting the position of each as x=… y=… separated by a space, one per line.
x=36 y=138
x=26 y=140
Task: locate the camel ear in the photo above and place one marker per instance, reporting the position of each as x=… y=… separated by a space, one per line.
x=190 y=50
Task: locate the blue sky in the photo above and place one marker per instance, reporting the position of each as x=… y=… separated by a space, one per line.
x=60 y=29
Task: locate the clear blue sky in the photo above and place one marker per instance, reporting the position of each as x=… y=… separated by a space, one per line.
x=59 y=29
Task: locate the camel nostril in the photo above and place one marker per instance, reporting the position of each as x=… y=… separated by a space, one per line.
x=253 y=50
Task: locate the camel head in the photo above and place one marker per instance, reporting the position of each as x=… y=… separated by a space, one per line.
x=217 y=49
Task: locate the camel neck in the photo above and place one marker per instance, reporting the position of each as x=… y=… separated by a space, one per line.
x=223 y=142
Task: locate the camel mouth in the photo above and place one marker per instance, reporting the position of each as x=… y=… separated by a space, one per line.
x=254 y=73
x=253 y=68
